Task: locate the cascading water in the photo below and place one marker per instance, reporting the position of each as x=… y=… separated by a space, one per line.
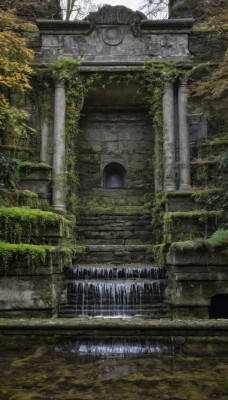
x=115 y=291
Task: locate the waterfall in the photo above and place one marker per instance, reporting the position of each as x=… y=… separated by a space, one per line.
x=114 y=291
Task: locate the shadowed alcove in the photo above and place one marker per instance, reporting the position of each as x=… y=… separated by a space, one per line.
x=114 y=176
x=219 y=306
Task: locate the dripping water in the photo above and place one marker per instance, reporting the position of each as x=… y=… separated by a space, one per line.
x=115 y=291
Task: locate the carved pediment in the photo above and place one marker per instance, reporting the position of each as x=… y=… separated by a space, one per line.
x=109 y=15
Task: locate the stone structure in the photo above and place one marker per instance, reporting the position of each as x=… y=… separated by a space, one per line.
x=120 y=158
x=115 y=39
x=33 y=9
x=198 y=9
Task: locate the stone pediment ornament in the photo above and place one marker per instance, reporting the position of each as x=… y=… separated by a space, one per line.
x=117 y=15
x=112 y=35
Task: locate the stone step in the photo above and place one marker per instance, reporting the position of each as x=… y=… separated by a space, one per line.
x=25 y=225
x=155 y=310
x=204 y=172
x=36 y=177
x=117 y=254
x=97 y=228
x=179 y=226
x=103 y=200
x=188 y=200
x=209 y=148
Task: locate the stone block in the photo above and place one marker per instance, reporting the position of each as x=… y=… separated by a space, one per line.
x=29 y=293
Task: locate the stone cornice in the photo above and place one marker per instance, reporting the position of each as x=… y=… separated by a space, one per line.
x=55 y=27
x=167 y=25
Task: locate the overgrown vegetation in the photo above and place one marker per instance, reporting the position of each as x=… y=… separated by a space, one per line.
x=8 y=172
x=15 y=71
x=21 y=225
x=30 y=256
x=212 y=93
x=219 y=199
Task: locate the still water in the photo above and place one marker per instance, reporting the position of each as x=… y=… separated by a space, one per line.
x=113 y=369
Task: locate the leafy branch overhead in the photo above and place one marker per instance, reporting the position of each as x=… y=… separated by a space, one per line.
x=15 y=70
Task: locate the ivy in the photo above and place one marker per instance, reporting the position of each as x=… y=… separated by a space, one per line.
x=77 y=88
x=219 y=198
x=8 y=172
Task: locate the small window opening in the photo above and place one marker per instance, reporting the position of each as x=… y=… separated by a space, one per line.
x=114 y=176
x=219 y=306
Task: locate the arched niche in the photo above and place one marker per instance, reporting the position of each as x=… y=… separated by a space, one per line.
x=114 y=176
x=219 y=306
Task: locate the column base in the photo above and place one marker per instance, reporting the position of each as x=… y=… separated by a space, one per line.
x=170 y=188
x=184 y=187
x=60 y=207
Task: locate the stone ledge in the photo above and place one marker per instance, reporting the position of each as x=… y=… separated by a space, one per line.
x=132 y=327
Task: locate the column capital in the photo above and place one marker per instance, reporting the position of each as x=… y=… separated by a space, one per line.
x=183 y=81
x=60 y=83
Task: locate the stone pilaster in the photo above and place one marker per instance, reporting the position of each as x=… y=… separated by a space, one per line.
x=169 y=137
x=58 y=188
x=44 y=140
x=157 y=164
x=184 y=150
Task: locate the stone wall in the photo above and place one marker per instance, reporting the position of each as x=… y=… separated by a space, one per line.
x=195 y=276
x=33 y=9
x=115 y=134
x=198 y=9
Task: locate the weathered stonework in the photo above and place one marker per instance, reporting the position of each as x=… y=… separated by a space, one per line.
x=33 y=9
x=113 y=37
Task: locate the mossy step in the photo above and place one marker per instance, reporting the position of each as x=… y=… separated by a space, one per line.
x=36 y=177
x=209 y=148
x=204 y=172
x=21 y=152
x=28 y=259
x=184 y=201
x=24 y=225
x=107 y=198
x=116 y=254
x=179 y=226
x=34 y=171
x=113 y=212
x=23 y=198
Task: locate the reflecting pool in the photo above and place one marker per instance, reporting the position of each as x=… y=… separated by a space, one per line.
x=113 y=369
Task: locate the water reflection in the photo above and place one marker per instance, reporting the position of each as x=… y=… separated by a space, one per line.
x=116 y=347
x=196 y=370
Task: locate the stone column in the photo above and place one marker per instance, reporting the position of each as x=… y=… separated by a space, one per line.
x=157 y=163
x=169 y=137
x=44 y=140
x=184 y=150
x=58 y=187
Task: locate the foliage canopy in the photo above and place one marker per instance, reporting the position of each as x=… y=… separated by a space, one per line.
x=15 y=71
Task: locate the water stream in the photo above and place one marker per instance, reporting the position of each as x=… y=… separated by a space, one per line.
x=115 y=291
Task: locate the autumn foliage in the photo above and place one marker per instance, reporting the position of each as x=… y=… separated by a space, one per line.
x=15 y=70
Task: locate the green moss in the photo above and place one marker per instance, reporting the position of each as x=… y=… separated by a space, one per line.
x=218 y=241
x=80 y=249
x=34 y=165
x=159 y=252
x=32 y=256
x=174 y=221
x=17 y=225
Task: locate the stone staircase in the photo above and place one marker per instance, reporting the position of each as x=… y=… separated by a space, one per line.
x=95 y=227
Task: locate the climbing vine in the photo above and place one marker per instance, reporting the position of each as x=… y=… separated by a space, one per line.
x=78 y=85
